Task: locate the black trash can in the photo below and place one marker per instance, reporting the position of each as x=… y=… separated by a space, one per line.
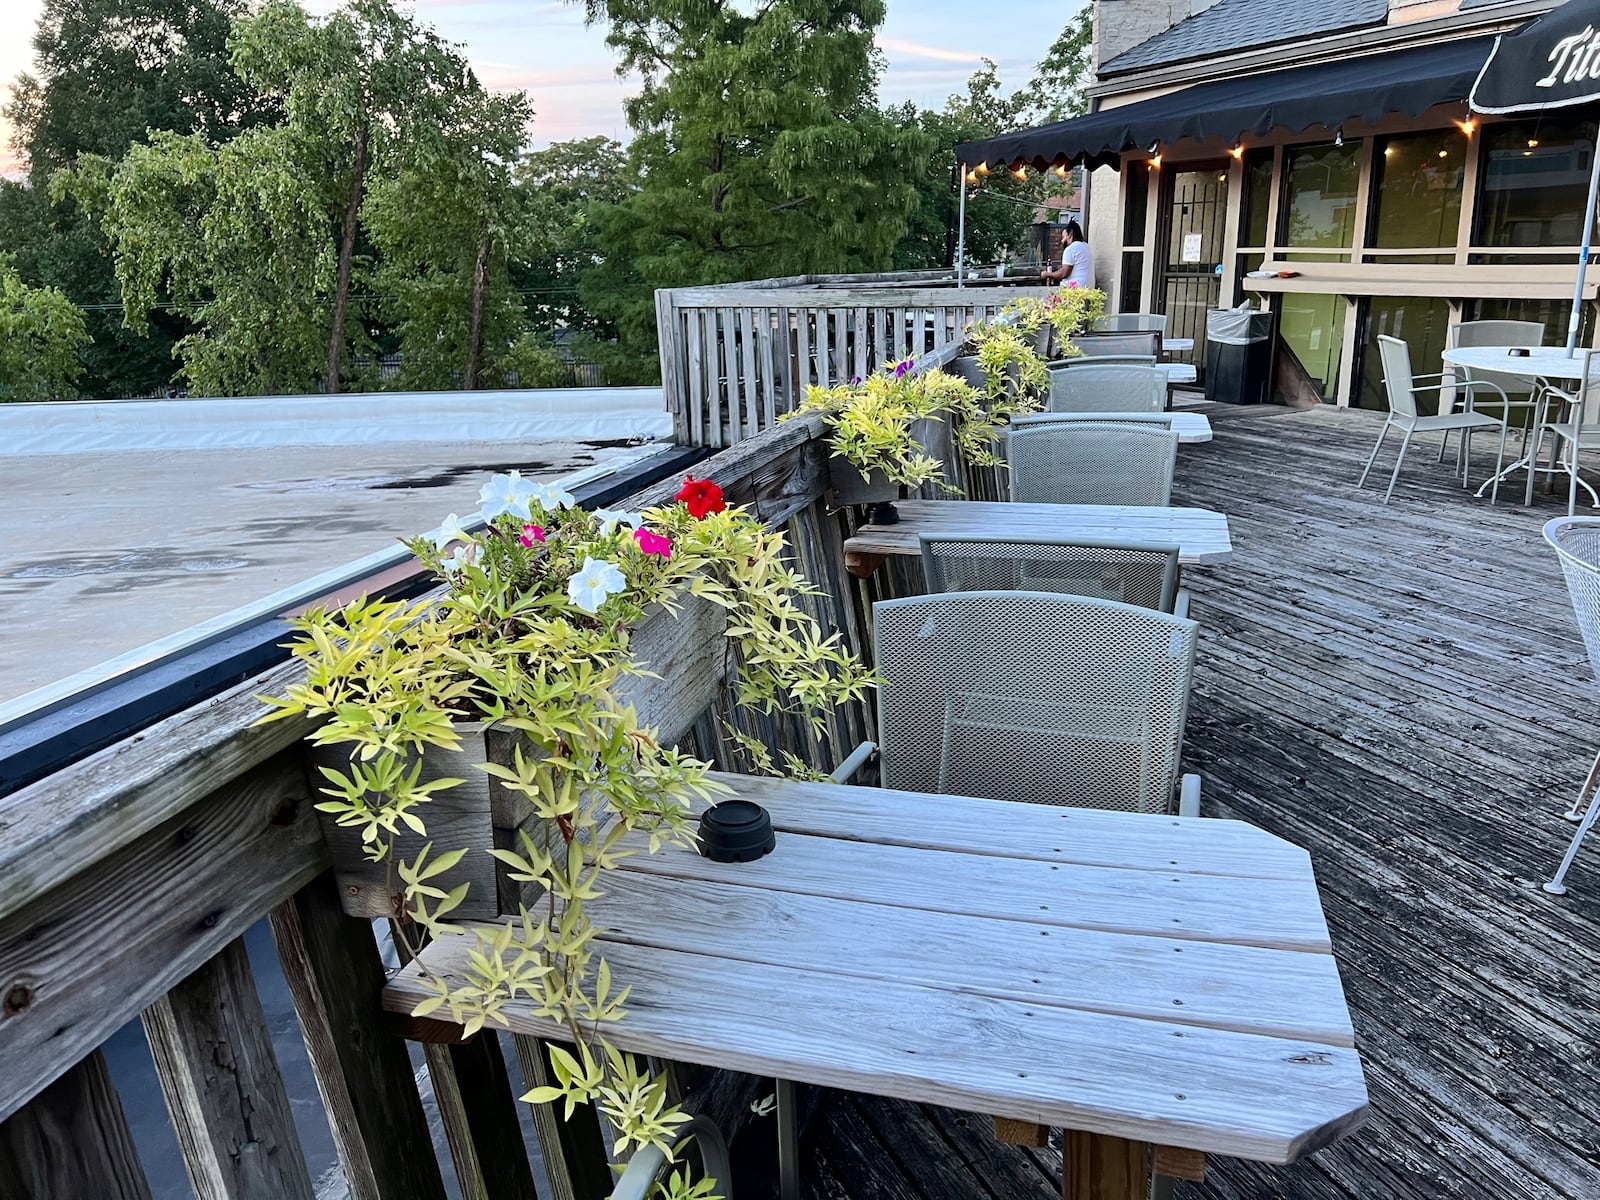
x=1239 y=346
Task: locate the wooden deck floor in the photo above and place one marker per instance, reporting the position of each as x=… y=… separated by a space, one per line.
x=1403 y=691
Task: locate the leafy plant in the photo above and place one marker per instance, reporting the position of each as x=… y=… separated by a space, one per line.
x=1069 y=311
x=872 y=422
x=1014 y=375
x=533 y=632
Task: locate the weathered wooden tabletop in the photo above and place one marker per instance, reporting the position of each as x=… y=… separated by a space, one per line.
x=1163 y=980
x=1200 y=534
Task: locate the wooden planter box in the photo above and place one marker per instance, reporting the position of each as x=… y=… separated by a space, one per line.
x=849 y=486
x=685 y=654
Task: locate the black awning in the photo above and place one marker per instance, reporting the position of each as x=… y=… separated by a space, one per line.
x=1328 y=94
x=1548 y=63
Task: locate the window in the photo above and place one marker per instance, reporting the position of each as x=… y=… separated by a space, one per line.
x=1312 y=326
x=1535 y=185
x=1320 y=197
x=1136 y=193
x=1416 y=194
x=1257 y=198
x=1420 y=322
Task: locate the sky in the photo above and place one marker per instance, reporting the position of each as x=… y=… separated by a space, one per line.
x=544 y=47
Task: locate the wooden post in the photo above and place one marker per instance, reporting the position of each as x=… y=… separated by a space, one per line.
x=213 y=1055
x=1096 y=1166
x=473 y=1089
x=1021 y=1133
x=335 y=978
x=71 y=1140
x=575 y=1156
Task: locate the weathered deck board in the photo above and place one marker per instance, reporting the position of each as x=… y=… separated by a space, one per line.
x=1402 y=691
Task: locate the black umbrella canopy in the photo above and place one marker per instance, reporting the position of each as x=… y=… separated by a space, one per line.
x=1553 y=62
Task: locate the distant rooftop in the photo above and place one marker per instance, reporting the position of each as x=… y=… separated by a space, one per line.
x=1231 y=25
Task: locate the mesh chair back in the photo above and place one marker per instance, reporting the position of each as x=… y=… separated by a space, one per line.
x=1104 y=360
x=1397 y=377
x=1065 y=463
x=1127 y=342
x=1588 y=410
x=1499 y=333
x=1159 y=420
x=1033 y=697
x=1576 y=541
x=1118 y=388
x=1125 y=572
x=1132 y=323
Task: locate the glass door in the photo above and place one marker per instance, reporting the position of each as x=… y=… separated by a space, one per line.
x=1190 y=281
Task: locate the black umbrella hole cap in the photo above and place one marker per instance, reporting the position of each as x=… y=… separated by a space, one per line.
x=736 y=831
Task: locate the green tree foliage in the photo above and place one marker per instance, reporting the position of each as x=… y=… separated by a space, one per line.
x=106 y=71
x=998 y=217
x=381 y=194
x=759 y=150
x=41 y=332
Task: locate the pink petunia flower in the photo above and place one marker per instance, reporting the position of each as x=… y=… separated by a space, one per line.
x=653 y=543
x=531 y=534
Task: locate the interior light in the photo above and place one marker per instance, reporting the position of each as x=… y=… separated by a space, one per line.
x=1444 y=154
x=1388 y=151
x=1532 y=143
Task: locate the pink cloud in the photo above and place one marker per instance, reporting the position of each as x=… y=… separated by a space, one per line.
x=915 y=50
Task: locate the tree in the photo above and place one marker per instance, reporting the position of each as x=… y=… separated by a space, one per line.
x=1056 y=90
x=387 y=142
x=759 y=150
x=41 y=333
x=106 y=71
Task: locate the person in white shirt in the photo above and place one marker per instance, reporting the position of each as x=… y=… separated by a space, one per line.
x=1077 y=264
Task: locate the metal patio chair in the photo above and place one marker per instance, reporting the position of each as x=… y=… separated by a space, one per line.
x=1035 y=697
x=1103 y=360
x=1081 y=463
x=1093 y=345
x=1155 y=420
x=1576 y=541
x=1580 y=430
x=1402 y=388
x=1109 y=388
x=1128 y=572
x=1132 y=323
x=1521 y=392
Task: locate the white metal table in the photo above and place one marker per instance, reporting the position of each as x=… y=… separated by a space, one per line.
x=1143 y=980
x=1177 y=345
x=1200 y=534
x=1542 y=365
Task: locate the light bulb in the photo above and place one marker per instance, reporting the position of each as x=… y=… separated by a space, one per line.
x=1467 y=126
x=981 y=169
x=1155 y=162
x=1237 y=152
x=1061 y=170
x=1533 y=143
x=1019 y=172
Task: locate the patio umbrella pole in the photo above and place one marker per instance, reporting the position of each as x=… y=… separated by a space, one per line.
x=961 y=229
x=1583 y=259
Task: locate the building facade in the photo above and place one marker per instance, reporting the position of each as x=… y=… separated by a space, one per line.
x=1394 y=214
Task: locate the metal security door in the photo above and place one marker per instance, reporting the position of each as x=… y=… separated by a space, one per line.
x=1190 y=283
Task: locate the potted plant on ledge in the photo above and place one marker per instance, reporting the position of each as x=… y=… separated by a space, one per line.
x=549 y=622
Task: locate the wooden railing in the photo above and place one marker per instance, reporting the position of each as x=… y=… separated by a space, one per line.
x=128 y=879
x=736 y=356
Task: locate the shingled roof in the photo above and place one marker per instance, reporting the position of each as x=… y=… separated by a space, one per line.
x=1231 y=25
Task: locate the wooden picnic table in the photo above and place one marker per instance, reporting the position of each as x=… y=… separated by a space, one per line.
x=1141 y=981
x=1200 y=534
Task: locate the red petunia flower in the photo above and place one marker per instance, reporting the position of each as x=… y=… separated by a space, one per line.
x=701 y=496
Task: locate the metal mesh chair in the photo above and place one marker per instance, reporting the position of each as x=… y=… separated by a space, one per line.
x=1402 y=388
x=1519 y=389
x=1127 y=572
x=1580 y=430
x=1155 y=420
x=1132 y=323
x=1109 y=388
x=1104 y=360
x=1576 y=541
x=1035 y=697
x=1070 y=463
x=1092 y=345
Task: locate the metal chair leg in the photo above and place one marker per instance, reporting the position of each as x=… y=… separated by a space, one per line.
x=1373 y=457
x=1404 y=442
x=1557 y=886
x=1499 y=463
x=1586 y=794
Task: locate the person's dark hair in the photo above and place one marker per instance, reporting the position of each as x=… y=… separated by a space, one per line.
x=1075 y=231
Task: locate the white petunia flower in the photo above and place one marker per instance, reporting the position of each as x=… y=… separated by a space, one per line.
x=461 y=556
x=448 y=532
x=594 y=582
x=609 y=520
x=552 y=496
x=506 y=494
